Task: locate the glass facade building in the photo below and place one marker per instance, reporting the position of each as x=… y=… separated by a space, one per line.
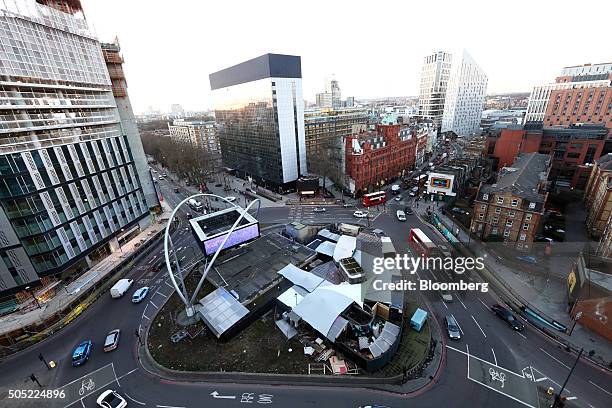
x=69 y=179
x=259 y=112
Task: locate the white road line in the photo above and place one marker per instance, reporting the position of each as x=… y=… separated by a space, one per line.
x=459 y=299
x=132 y=399
x=152 y=259
x=541 y=379
x=457 y=321
x=86 y=375
x=494 y=358
x=126 y=374
x=161 y=294
x=554 y=358
x=595 y=385
x=145 y=310
x=482 y=331
x=484 y=304
x=467 y=350
x=571 y=398
x=443 y=302
x=115 y=374
x=522 y=335
x=82 y=403
x=169 y=284
x=503 y=393
x=154 y=305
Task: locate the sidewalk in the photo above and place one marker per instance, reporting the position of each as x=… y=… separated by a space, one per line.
x=82 y=284
x=546 y=292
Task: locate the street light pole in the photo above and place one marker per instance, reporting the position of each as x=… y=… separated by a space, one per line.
x=557 y=403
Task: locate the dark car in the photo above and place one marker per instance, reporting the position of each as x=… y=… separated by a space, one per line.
x=81 y=353
x=318 y=209
x=176 y=189
x=409 y=211
x=452 y=328
x=507 y=317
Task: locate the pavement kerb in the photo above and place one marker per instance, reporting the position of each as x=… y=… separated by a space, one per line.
x=391 y=384
x=116 y=272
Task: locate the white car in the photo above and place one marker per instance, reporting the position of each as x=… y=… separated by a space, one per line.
x=401 y=216
x=398 y=198
x=318 y=209
x=230 y=199
x=110 y=399
x=360 y=214
x=140 y=294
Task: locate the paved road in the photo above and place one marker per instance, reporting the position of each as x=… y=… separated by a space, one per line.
x=490 y=366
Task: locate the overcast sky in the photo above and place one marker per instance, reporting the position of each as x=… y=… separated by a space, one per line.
x=373 y=48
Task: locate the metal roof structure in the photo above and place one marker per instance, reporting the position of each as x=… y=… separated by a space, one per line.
x=385 y=340
x=326 y=248
x=301 y=278
x=220 y=311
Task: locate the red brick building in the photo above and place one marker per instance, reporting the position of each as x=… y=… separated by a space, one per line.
x=583 y=105
x=573 y=149
x=375 y=157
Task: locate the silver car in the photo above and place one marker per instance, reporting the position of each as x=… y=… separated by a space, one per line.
x=452 y=328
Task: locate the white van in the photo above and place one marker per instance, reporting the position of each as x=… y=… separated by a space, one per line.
x=395 y=189
x=401 y=216
x=122 y=286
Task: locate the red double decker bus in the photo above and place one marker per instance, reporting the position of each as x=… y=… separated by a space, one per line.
x=376 y=198
x=420 y=243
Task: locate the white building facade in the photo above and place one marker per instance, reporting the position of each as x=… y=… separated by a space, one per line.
x=434 y=81
x=465 y=96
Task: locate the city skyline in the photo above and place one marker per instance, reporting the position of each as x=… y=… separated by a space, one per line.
x=359 y=67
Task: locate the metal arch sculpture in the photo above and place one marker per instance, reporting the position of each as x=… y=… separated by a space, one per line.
x=183 y=295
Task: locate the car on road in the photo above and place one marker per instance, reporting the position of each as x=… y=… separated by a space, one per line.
x=161 y=178
x=452 y=328
x=409 y=211
x=360 y=214
x=112 y=340
x=401 y=216
x=110 y=399
x=164 y=174
x=398 y=198
x=457 y=210
x=176 y=190
x=140 y=294
x=346 y=205
x=412 y=194
x=81 y=353
x=445 y=251
x=532 y=260
x=508 y=317
x=230 y=199
x=541 y=238
x=318 y=209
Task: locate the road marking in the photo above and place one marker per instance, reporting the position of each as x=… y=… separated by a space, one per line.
x=132 y=399
x=86 y=375
x=152 y=259
x=571 y=398
x=541 y=379
x=443 y=302
x=459 y=299
x=484 y=304
x=115 y=374
x=482 y=331
x=145 y=311
x=554 y=358
x=161 y=294
x=154 y=305
x=503 y=393
x=595 y=385
x=494 y=358
x=457 y=321
x=467 y=349
x=522 y=335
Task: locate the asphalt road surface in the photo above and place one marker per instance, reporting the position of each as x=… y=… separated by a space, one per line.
x=491 y=366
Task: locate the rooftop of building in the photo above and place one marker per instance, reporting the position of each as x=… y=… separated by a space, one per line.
x=251 y=268
x=524 y=178
x=605 y=162
x=209 y=225
x=183 y=122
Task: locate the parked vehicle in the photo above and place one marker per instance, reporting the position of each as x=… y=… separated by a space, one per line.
x=121 y=287
x=452 y=328
x=161 y=178
x=360 y=214
x=401 y=216
x=409 y=211
x=112 y=340
x=110 y=399
x=81 y=353
x=195 y=205
x=140 y=294
x=507 y=317
x=319 y=210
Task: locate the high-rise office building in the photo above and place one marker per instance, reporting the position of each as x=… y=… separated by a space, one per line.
x=71 y=185
x=259 y=111
x=332 y=97
x=434 y=80
x=465 y=96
